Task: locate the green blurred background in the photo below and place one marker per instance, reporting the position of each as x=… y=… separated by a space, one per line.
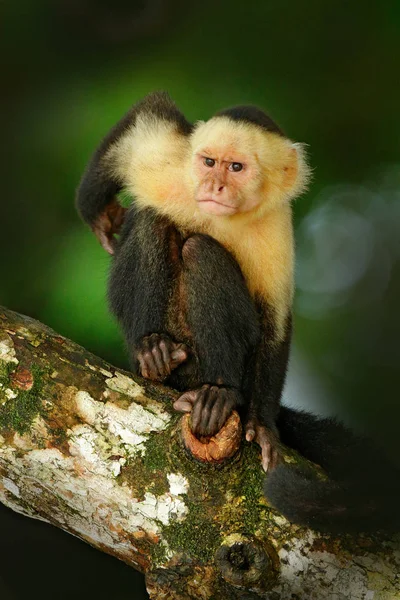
x=328 y=72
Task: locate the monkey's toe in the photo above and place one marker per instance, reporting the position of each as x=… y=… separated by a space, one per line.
x=158 y=355
x=268 y=441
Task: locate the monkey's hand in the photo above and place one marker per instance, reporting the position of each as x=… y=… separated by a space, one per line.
x=210 y=406
x=108 y=223
x=158 y=355
x=268 y=439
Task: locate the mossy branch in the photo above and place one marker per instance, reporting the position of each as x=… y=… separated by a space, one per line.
x=98 y=452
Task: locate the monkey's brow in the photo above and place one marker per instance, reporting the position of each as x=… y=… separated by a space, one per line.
x=206 y=151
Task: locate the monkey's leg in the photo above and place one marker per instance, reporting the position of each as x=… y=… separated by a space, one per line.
x=225 y=328
x=264 y=385
x=139 y=290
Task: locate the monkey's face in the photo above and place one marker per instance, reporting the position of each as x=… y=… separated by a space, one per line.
x=239 y=168
x=226 y=181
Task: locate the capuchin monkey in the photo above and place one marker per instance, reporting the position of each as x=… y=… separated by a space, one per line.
x=202 y=281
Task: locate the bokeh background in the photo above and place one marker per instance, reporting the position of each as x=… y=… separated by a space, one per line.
x=328 y=72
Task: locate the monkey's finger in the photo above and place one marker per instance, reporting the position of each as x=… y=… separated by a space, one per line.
x=119 y=218
x=198 y=409
x=107 y=242
x=178 y=356
x=143 y=367
x=150 y=365
x=220 y=412
x=269 y=452
x=183 y=347
x=250 y=435
x=250 y=430
x=228 y=406
x=166 y=357
x=186 y=401
x=275 y=458
x=266 y=456
x=216 y=421
x=266 y=449
x=207 y=411
x=183 y=406
x=162 y=368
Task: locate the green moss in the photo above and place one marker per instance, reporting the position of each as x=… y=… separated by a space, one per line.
x=59 y=435
x=156 y=452
x=196 y=536
x=141 y=479
x=149 y=473
x=18 y=413
x=6 y=368
x=158 y=553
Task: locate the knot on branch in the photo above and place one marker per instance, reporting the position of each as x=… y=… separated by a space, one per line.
x=215 y=449
x=244 y=562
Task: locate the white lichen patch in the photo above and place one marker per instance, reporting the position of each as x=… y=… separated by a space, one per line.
x=11 y=487
x=83 y=496
x=7 y=350
x=131 y=426
x=10 y=394
x=94 y=453
x=279 y=520
x=37 y=433
x=314 y=575
x=124 y=385
x=178 y=484
x=162 y=508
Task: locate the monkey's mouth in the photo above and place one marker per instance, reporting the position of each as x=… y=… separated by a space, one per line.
x=215 y=207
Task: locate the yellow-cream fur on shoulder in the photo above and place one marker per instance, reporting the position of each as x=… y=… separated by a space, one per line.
x=153 y=161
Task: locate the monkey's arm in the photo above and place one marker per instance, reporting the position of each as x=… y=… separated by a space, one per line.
x=96 y=195
x=139 y=290
x=265 y=381
x=102 y=181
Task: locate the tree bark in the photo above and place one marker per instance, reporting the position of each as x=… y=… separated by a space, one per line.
x=99 y=453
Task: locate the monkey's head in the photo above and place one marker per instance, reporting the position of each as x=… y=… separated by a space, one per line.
x=242 y=163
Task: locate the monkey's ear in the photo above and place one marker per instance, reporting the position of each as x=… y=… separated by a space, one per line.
x=291 y=168
x=296 y=171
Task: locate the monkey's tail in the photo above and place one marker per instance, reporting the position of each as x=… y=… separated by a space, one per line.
x=362 y=492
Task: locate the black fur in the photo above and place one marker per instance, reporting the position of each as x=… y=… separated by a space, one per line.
x=267 y=369
x=362 y=493
x=140 y=281
x=221 y=314
x=251 y=114
x=205 y=286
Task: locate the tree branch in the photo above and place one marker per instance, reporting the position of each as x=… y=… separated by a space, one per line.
x=99 y=453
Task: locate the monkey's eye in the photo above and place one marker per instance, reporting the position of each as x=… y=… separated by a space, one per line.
x=236 y=167
x=210 y=162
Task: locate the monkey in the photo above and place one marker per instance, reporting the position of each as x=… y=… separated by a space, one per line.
x=202 y=274
x=201 y=278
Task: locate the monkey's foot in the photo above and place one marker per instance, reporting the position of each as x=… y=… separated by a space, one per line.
x=210 y=406
x=268 y=440
x=158 y=355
